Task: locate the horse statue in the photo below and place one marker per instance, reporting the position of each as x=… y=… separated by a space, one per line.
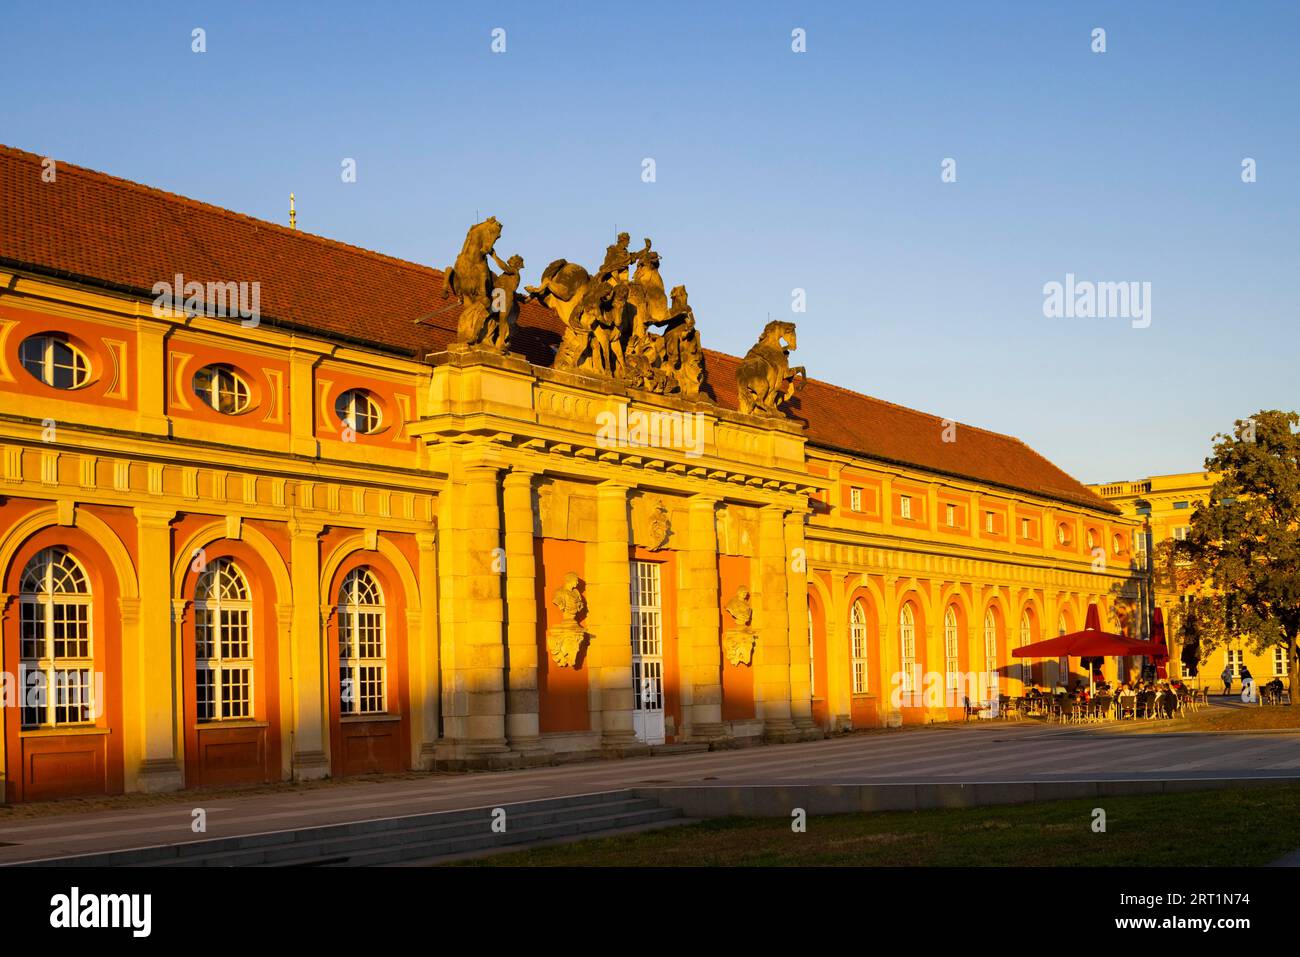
x=472 y=281
x=764 y=379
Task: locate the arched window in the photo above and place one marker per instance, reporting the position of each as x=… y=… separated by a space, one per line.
x=222 y=388
x=990 y=641
x=358 y=410
x=223 y=639
x=907 y=641
x=1026 y=638
x=55 y=648
x=55 y=361
x=812 y=656
x=951 y=644
x=858 y=641
x=363 y=663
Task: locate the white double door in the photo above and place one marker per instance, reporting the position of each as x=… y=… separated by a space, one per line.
x=647 y=654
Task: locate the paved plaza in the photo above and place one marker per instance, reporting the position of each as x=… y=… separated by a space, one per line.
x=976 y=753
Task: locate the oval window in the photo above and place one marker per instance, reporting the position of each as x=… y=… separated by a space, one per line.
x=1119 y=544
x=221 y=387
x=358 y=410
x=1063 y=534
x=55 y=361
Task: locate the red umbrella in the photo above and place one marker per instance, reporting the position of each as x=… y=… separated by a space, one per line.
x=1159 y=652
x=1092 y=642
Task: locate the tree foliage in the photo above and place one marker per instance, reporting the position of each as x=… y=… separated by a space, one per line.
x=1240 y=563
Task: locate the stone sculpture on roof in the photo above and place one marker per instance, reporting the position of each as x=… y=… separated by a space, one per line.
x=765 y=380
x=610 y=320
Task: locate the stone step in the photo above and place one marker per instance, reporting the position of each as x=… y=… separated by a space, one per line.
x=189 y=852
x=304 y=847
x=435 y=851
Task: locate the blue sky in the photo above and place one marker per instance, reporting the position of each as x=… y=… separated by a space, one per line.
x=775 y=171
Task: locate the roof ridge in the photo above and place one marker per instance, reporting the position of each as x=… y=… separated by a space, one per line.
x=122 y=183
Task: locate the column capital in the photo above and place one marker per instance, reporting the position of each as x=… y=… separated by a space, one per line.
x=427 y=541
x=517 y=478
x=155 y=518
x=613 y=489
x=702 y=501
x=129 y=608
x=300 y=528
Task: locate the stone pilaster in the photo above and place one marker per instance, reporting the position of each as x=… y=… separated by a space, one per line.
x=522 y=701
x=610 y=620
x=473 y=616
x=148 y=632
x=698 y=622
x=796 y=565
x=772 y=657
x=310 y=731
x=422 y=633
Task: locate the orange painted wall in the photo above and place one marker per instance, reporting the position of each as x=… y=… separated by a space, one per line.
x=109 y=350
x=820 y=709
x=737 y=680
x=864 y=709
x=562 y=692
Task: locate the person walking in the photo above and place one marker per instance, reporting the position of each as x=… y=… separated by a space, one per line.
x=1227 y=679
x=1248 y=694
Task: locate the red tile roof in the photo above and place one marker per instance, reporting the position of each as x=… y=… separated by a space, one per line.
x=97 y=229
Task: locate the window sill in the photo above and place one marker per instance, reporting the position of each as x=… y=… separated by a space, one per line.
x=368 y=718
x=232 y=725
x=72 y=729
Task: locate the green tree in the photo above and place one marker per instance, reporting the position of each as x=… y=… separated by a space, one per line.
x=1244 y=544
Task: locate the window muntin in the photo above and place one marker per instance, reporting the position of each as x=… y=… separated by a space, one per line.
x=647 y=637
x=1026 y=638
x=1063 y=534
x=1235 y=659
x=358 y=410
x=363 y=658
x=1281 y=662
x=1181 y=532
x=989 y=523
x=990 y=641
x=951 y=646
x=223 y=640
x=55 y=649
x=907 y=645
x=858 y=643
x=55 y=361
x=905 y=506
x=222 y=388
x=950 y=515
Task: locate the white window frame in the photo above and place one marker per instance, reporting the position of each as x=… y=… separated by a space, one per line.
x=226 y=617
x=1179 y=533
x=363 y=645
x=1024 y=528
x=951 y=650
x=360 y=411
x=44 y=367
x=223 y=380
x=858 y=647
x=647 y=636
x=907 y=646
x=990 y=523
x=66 y=682
x=855 y=499
x=950 y=515
x=904 y=506
x=990 y=641
x=1236 y=658
x=1281 y=661
x=1026 y=638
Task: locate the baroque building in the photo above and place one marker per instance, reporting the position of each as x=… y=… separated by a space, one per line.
x=1164 y=504
x=274 y=507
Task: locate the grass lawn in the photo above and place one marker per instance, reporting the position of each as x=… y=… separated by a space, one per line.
x=1243 y=828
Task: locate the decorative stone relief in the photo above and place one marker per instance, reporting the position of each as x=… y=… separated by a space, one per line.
x=564 y=640
x=738 y=640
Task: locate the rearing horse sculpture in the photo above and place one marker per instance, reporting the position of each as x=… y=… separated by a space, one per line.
x=472 y=280
x=764 y=379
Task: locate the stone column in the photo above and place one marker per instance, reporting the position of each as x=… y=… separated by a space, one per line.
x=796 y=565
x=699 y=624
x=610 y=620
x=772 y=657
x=422 y=633
x=148 y=629
x=473 y=615
x=522 y=700
x=310 y=729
